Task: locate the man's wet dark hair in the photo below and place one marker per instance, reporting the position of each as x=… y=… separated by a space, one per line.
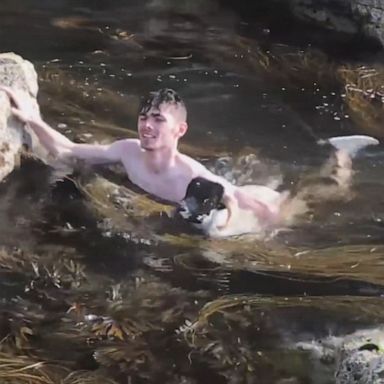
x=162 y=96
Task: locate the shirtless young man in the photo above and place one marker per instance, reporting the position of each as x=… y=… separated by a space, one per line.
x=153 y=161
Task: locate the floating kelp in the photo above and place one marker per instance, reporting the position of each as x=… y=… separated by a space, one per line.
x=258 y=322
x=94 y=319
x=16 y=260
x=284 y=65
x=145 y=298
x=364 y=95
x=139 y=311
x=42 y=272
x=308 y=69
x=132 y=358
x=22 y=369
x=356 y=262
x=103 y=193
x=250 y=303
x=88 y=377
x=120 y=209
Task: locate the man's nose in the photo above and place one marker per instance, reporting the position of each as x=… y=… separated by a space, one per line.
x=148 y=125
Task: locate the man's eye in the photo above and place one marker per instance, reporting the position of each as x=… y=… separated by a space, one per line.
x=142 y=117
x=159 y=120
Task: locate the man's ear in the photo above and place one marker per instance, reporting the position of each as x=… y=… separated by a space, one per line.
x=183 y=127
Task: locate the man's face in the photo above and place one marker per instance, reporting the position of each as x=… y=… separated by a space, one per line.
x=160 y=127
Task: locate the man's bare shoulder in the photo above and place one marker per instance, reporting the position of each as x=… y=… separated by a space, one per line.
x=196 y=168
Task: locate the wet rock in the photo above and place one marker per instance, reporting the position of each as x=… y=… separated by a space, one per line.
x=19 y=74
x=357 y=358
x=361 y=358
x=349 y=16
x=361 y=18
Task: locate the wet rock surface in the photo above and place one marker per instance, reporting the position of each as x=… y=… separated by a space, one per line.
x=353 y=16
x=19 y=74
x=361 y=358
x=355 y=358
x=360 y=19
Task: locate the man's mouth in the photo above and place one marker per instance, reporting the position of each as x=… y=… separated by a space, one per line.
x=148 y=136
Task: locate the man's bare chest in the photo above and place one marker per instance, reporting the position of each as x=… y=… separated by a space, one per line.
x=168 y=186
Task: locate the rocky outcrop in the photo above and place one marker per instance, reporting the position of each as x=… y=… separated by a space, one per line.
x=356 y=358
x=371 y=14
x=19 y=74
x=349 y=16
x=361 y=359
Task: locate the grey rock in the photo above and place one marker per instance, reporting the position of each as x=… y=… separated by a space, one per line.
x=356 y=358
x=349 y=16
x=20 y=75
x=361 y=359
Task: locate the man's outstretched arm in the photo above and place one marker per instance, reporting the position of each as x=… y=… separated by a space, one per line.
x=55 y=142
